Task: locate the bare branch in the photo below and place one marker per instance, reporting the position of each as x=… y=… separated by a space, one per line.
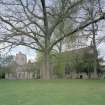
x=78 y=29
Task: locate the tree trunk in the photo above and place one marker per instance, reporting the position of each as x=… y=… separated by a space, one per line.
x=94 y=30
x=89 y=74
x=95 y=53
x=46 y=67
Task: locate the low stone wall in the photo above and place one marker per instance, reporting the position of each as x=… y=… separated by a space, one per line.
x=20 y=76
x=77 y=76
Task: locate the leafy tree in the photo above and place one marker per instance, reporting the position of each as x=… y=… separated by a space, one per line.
x=5 y=62
x=77 y=61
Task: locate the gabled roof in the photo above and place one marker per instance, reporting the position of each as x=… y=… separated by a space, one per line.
x=88 y=49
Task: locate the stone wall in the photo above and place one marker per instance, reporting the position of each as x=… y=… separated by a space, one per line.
x=20 y=76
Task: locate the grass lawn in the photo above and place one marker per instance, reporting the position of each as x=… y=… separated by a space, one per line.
x=53 y=92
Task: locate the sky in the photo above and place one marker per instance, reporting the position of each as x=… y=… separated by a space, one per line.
x=101 y=50
x=30 y=53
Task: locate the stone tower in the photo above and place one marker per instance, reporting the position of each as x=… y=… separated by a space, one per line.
x=21 y=59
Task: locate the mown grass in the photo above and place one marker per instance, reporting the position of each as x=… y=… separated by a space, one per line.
x=53 y=92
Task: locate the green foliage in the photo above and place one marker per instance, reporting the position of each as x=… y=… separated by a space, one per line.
x=80 y=60
x=61 y=60
x=77 y=61
x=5 y=64
x=5 y=60
x=59 y=66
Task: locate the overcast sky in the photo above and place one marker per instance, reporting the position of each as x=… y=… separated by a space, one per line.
x=31 y=54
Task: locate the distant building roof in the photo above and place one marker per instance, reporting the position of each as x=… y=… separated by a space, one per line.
x=88 y=49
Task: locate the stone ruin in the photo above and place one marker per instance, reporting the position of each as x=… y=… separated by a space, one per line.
x=21 y=71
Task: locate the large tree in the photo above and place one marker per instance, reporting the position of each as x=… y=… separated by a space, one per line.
x=32 y=23
x=92 y=9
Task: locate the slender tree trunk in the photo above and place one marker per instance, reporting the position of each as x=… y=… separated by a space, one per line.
x=95 y=53
x=94 y=39
x=89 y=74
x=60 y=47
